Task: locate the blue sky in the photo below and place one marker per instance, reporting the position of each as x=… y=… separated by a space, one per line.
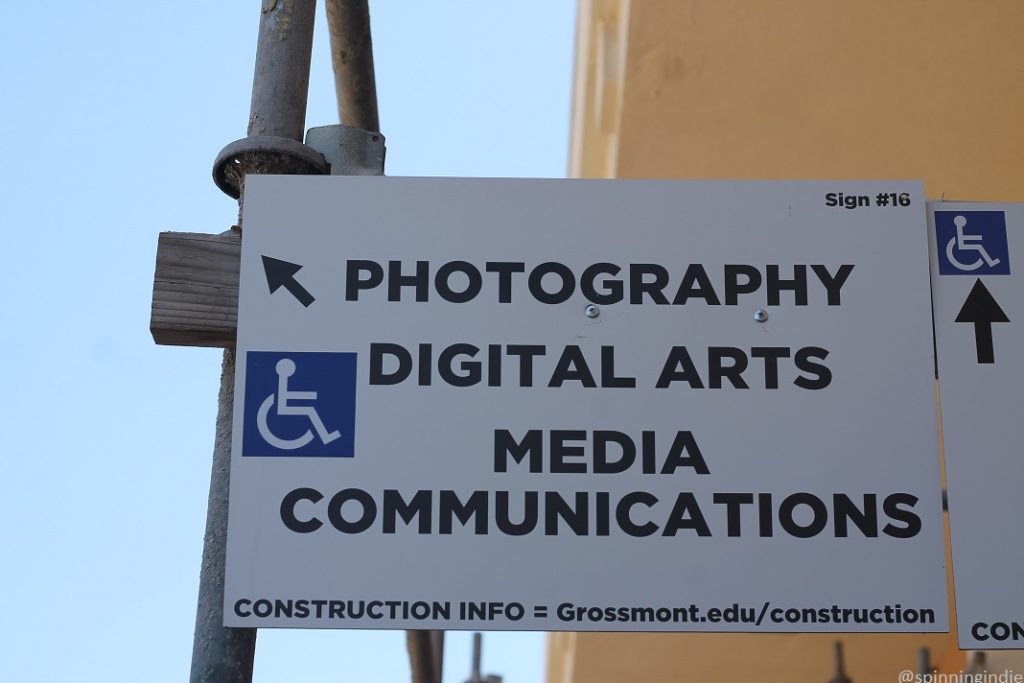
x=113 y=113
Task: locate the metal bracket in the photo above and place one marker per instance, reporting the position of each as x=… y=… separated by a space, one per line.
x=264 y=154
x=349 y=150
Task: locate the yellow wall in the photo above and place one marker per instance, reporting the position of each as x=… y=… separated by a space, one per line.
x=922 y=89
x=930 y=89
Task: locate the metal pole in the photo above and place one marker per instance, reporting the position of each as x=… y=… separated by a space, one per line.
x=352 y=57
x=474 y=676
x=420 y=656
x=437 y=649
x=840 y=676
x=924 y=664
x=355 y=148
x=277 y=113
x=280 y=84
x=277 y=110
x=219 y=654
x=975 y=663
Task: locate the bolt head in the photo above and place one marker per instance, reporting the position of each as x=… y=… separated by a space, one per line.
x=592 y=311
x=760 y=315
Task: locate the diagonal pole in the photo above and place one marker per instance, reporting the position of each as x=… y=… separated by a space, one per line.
x=277 y=118
x=219 y=654
x=348 y=22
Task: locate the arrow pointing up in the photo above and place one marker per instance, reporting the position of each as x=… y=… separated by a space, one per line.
x=282 y=274
x=981 y=309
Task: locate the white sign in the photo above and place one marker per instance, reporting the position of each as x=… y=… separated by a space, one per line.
x=977 y=267
x=585 y=405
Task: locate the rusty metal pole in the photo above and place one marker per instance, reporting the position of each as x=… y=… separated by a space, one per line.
x=437 y=650
x=352 y=58
x=348 y=22
x=280 y=83
x=421 y=659
x=276 y=120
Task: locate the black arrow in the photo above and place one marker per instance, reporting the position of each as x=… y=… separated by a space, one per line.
x=282 y=274
x=982 y=310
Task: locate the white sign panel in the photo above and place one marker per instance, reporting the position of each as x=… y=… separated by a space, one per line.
x=584 y=405
x=978 y=297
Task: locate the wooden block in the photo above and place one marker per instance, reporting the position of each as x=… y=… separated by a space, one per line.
x=195 y=290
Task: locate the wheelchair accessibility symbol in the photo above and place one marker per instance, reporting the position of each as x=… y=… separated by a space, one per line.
x=972 y=243
x=286 y=406
x=299 y=404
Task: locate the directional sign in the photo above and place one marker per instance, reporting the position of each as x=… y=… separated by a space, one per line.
x=981 y=310
x=282 y=274
x=978 y=298
x=585 y=405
